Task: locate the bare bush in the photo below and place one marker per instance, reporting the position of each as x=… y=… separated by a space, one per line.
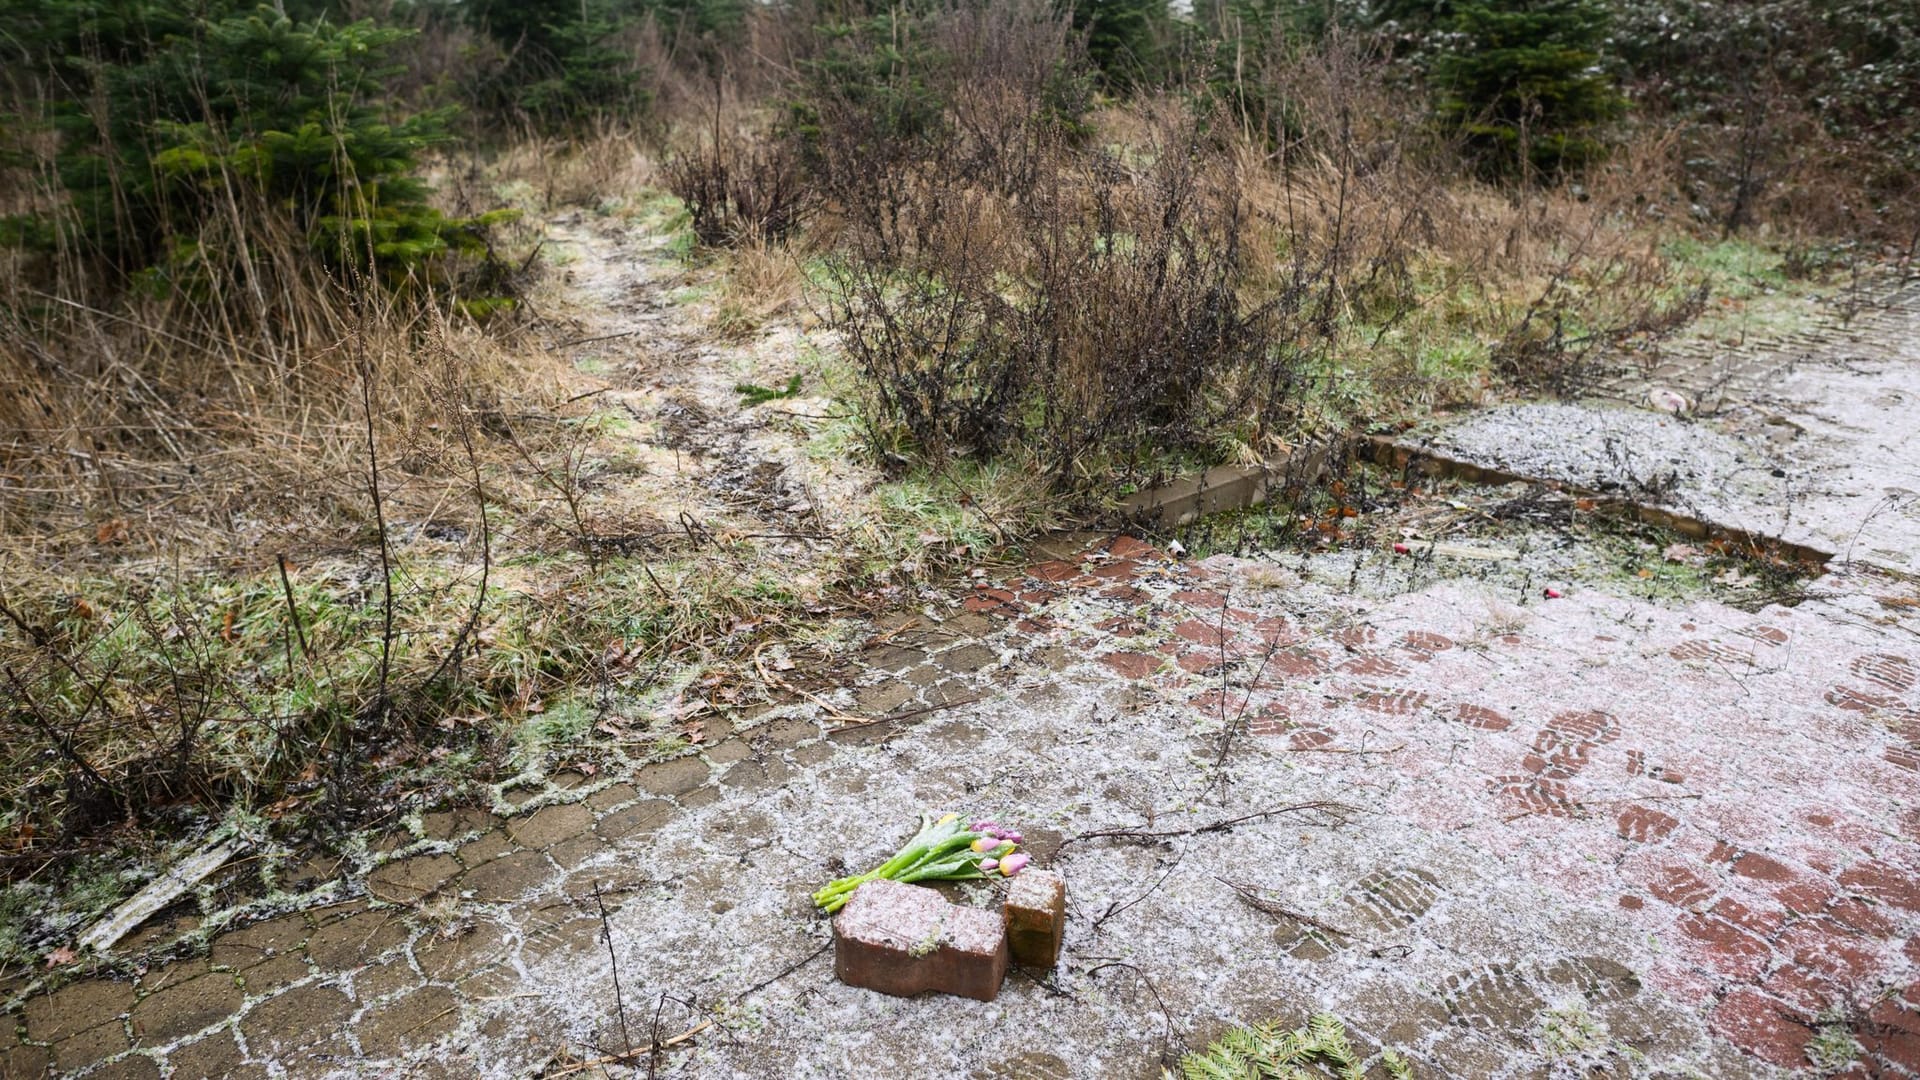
x=741 y=190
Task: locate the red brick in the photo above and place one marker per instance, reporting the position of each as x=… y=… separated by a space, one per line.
x=1299 y=663
x=1199 y=598
x=1126 y=547
x=1804 y=992
x=1763 y=1027
x=1887 y=884
x=1310 y=737
x=904 y=939
x=1896 y=673
x=1761 y=868
x=1274 y=629
x=1896 y=1014
x=1372 y=667
x=1853 y=912
x=1854 y=700
x=1036 y=914
x=1891 y=1037
x=1355 y=637
x=1117 y=571
x=1535 y=794
x=1726 y=948
x=1804 y=897
x=1200 y=633
x=1272 y=720
x=1680 y=886
x=1209 y=702
x=1053 y=570
x=1197 y=663
x=1133 y=665
x=1645 y=825
x=1764 y=923
x=1392 y=702
x=1479 y=716
x=1424 y=644
x=1818 y=946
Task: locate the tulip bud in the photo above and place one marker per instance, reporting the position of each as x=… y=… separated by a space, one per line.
x=987 y=865
x=1013 y=864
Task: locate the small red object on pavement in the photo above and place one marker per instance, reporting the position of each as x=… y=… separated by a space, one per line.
x=1551 y=594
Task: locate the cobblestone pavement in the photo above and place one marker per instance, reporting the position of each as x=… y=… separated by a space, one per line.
x=1505 y=834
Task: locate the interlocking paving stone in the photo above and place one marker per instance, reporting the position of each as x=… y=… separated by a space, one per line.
x=355 y=939
x=184 y=1008
x=216 y=1057
x=549 y=825
x=296 y=1020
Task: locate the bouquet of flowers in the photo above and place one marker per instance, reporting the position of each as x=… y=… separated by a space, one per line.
x=941 y=851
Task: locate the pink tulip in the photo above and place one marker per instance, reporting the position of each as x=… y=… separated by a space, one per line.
x=1010 y=837
x=987 y=865
x=1013 y=864
x=988 y=844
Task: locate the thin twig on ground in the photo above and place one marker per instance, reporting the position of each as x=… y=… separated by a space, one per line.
x=1251 y=894
x=1221 y=825
x=784 y=972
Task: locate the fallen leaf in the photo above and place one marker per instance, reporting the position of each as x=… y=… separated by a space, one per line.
x=62 y=955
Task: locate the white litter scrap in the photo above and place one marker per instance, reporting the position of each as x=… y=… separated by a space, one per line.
x=159 y=892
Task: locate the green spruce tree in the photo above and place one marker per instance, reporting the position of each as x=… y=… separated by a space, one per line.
x=1522 y=83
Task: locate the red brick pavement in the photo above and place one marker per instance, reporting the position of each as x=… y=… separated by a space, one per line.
x=1739 y=789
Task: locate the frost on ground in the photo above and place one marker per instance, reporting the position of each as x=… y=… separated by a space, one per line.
x=1500 y=834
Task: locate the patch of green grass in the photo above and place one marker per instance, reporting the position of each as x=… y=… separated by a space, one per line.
x=559 y=726
x=1833 y=1046
x=1570 y=1032
x=1270 y=1052
x=1735 y=267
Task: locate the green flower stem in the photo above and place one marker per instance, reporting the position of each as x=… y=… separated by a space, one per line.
x=941 y=850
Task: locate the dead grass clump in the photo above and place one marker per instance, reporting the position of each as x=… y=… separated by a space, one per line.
x=609 y=160
x=763 y=281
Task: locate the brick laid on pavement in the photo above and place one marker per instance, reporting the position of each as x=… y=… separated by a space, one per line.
x=904 y=939
x=1036 y=912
